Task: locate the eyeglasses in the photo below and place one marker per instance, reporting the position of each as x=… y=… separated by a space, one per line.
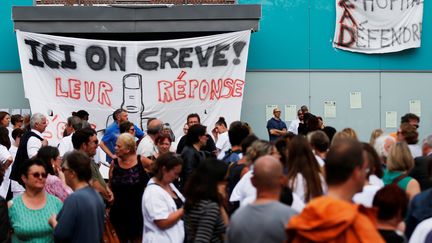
x=39 y=175
x=64 y=169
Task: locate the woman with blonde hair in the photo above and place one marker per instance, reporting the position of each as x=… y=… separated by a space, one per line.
x=351 y=133
x=374 y=135
x=338 y=137
x=127 y=181
x=399 y=162
x=244 y=191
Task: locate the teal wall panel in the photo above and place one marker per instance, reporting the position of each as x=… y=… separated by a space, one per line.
x=282 y=41
x=298 y=34
x=9 y=60
x=295 y=34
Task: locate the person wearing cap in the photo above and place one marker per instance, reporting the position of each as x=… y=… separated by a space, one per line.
x=275 y=126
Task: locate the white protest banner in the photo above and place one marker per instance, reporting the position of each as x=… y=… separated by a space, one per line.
x=378 y=26
x=163 y=79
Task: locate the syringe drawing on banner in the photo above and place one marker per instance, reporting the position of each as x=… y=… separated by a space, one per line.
x=132 y=100
x=133 y=97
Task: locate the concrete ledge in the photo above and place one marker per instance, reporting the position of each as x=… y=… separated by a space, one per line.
x=136 y=18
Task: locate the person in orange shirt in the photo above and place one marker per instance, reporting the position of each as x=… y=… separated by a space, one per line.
x=334 y=217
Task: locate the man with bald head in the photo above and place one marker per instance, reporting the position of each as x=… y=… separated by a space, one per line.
x=265 y=218
x=147 y=145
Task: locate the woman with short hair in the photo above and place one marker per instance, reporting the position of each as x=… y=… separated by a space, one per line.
x=82 y=216
x=382 y=146
x=128 y=127
x=29 y=212
x=127 y=181
x=163 y=144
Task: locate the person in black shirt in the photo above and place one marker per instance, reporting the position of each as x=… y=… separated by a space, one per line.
x=392 y=204
x=193 y=153
x=5 y=227
x=210 y=146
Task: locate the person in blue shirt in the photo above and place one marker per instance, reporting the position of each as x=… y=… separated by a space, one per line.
x=275 y=126
x=81 y=219
x=113 y=131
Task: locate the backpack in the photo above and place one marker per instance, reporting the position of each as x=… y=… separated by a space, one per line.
x=231 y=156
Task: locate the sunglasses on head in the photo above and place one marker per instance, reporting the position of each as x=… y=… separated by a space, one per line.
x=39 y=175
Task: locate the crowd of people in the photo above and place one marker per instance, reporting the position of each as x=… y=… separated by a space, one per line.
x=306 y=183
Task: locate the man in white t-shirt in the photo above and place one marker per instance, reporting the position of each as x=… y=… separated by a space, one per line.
x=30 y=144
x=147 y=146
x=65 y=145
x=294 y=125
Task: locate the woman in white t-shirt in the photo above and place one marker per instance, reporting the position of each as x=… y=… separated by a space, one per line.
x=220 y=133
x=5 y=160
x=244 y=192
x=162 y=203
